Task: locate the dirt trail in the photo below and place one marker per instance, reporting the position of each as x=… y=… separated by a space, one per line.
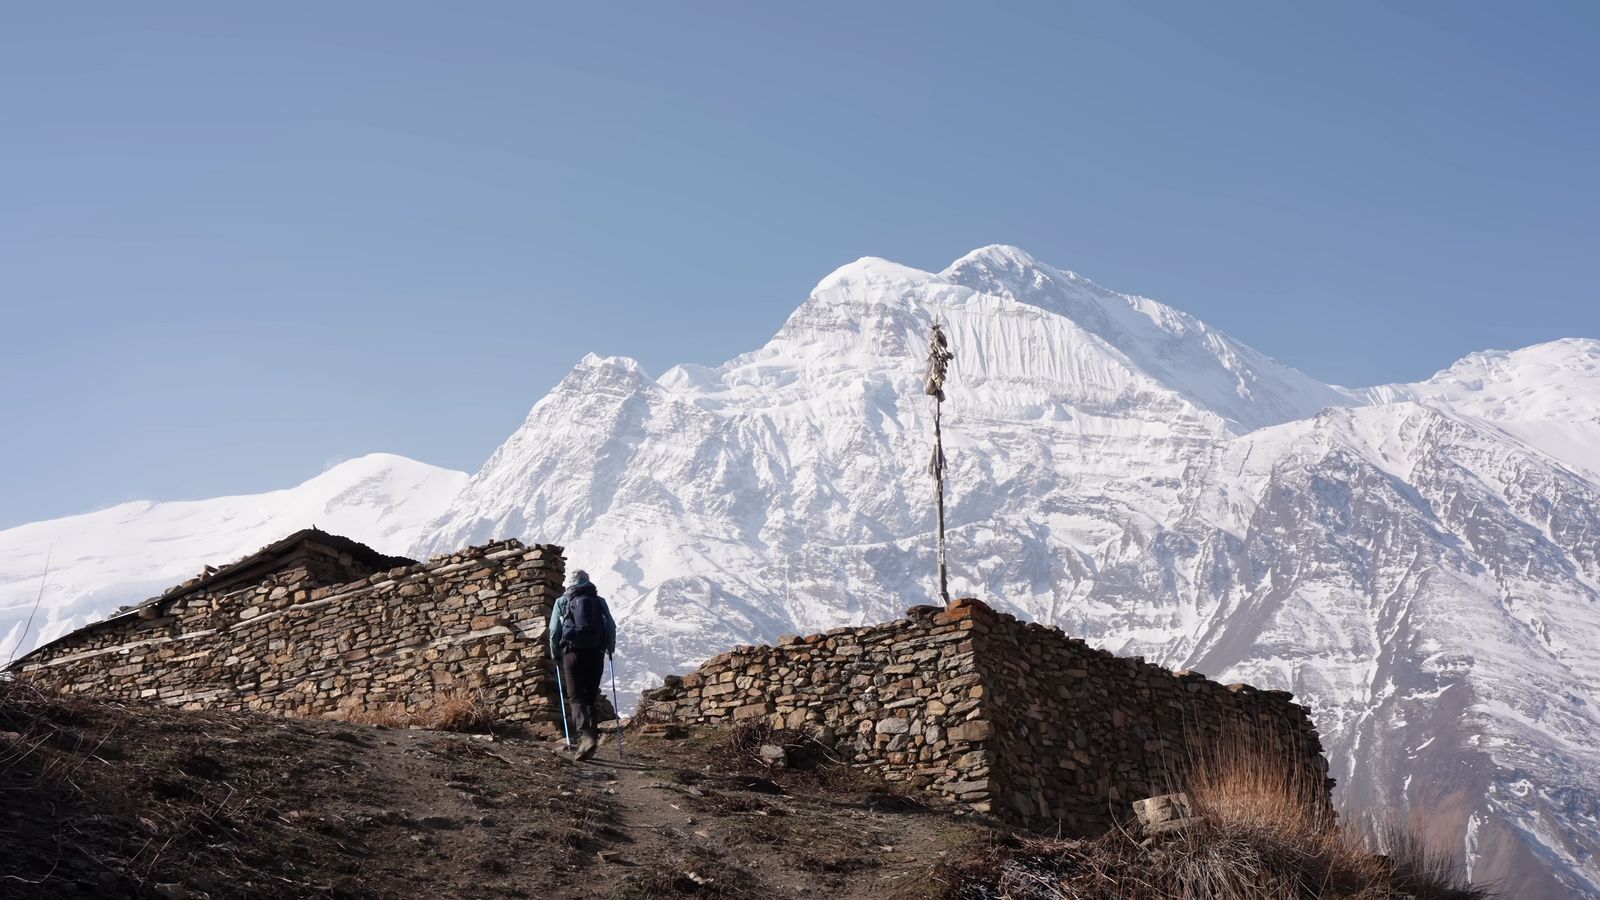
x=685 y=825
x=122 y=800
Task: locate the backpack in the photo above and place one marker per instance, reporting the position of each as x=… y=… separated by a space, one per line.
x=583 y=623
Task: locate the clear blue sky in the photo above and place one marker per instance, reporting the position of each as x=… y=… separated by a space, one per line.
x=239 y=241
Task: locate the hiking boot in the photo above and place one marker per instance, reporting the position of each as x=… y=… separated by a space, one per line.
x=587 y=745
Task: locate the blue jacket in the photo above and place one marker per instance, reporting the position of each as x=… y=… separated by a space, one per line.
x=559 y=614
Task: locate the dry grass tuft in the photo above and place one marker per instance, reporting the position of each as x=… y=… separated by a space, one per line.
x=810 y=765
x=652 y=712
x=1239 y=784
x=467 y=711
x=1266 y=834
x=744 y=741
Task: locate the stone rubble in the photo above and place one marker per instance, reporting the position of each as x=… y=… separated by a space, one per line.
x=1166 y=813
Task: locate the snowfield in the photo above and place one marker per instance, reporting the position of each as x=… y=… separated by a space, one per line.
x=1419 y=564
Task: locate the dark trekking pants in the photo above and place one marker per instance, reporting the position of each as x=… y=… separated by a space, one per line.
x=581 y=670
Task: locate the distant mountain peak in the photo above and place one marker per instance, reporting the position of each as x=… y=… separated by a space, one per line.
x=869 y=271
x=1561 y=359
x=606 y=373
x=596 y=362
x=1000 y=258
x=127 y=553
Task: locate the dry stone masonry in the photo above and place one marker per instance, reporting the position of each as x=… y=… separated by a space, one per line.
x=1010 y=718
x=319 y=625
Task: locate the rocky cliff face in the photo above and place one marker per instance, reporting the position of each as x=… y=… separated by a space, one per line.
x=1418 y=563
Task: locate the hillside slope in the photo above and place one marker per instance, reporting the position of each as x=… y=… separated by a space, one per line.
x=127 y=800
x=109 y=800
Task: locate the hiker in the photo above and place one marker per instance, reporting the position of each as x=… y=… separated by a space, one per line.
x=582 y=636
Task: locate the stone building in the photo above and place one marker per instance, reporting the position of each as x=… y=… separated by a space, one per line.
x=321 y=625
x=1006 y=717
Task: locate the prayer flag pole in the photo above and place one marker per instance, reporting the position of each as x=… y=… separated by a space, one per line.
x=939 y=356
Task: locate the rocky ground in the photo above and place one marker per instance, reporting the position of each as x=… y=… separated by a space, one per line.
x=114 y=800
x=110 y=800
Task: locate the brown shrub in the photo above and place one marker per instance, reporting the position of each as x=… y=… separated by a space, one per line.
x=454 y=710
x=1237 y=783
x=652 y=712
x=1266 y=834
x=1277 y=806
x=460 y=711
x=743 y=742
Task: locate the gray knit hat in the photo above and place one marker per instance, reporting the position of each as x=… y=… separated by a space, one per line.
x=579 y=576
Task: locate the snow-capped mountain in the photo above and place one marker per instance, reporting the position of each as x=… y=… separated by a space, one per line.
x=80 y=568
x=1418 y=563
x=1547 y=396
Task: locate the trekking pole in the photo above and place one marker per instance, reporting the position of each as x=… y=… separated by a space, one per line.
x=561 y=691
x=614 y=707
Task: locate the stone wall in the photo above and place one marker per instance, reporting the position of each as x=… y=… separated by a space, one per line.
x=1006 y=717
x=293 y=644
x=903 y=699
x=1078 y=734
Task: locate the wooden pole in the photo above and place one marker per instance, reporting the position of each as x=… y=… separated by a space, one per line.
x=938 y=486
x=939 y=356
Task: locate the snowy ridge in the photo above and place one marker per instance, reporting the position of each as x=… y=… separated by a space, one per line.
x=1236 y=382
x=103 y=560
x=1547 y=395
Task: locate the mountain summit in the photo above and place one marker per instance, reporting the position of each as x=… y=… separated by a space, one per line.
x=1214 y=371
